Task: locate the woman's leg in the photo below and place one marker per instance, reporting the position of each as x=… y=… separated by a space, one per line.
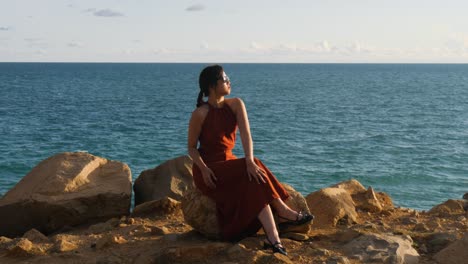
x=283 y=209
x=268 y=222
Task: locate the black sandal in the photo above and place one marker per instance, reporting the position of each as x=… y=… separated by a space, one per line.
x=302 y=218
x=277 y=247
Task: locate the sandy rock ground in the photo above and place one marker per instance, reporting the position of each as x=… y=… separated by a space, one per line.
x=167 y=239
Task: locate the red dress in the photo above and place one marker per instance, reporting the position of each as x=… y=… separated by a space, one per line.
x=238 y=200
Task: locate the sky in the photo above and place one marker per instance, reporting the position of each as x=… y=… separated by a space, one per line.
x=302 y=31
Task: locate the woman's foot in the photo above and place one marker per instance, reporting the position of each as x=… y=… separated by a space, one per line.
x=277 y=247
x=301 y=218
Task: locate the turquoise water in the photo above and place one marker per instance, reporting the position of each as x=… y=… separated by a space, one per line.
x=401 y=128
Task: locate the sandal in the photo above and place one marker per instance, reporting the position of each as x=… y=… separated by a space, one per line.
x=302 y=218
x=277 y=247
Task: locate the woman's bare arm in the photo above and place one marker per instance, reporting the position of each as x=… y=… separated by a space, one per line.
x=247 y=144
x=195 y=126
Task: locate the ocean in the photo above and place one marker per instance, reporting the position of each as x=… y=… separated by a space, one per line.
x=400 y=128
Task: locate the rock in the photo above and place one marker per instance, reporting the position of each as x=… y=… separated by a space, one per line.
x=35 y=236
x=369 y=202
x=252 y=243
x=20 y=248
x=109 y=240
x=338 y=260
x=421 y=227
x=438 y=241
x=193 y=253
x=296 y=236
x=171 y=179
x=65 y=190
x=5 y=242
x=298 y=203
x=352 y=186
x=409 y=221
x=162 y=207
x=159 y=231
x=235 y=251
x=332 y=206
x=264 y=258
x=449 y=207
x=465 y=196
x=346 y=235
x=455 y=253
x=62 y=245
x=200 y=213
x=380 y=248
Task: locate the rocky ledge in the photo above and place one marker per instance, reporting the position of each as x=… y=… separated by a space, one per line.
x=75 y=208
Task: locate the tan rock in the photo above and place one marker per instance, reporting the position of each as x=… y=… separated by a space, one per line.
x=200 y=213
x=161 y=207
x=66 y=190
x=296 y=236
x=382 y=248
x=371 y=202
x=331 y=205
x=63 y=245
x=352 y=186
x=35 y=236
x=5 y=242
x=20 y=248
x=449 y=207
x=265 y=258
x=194 y=253
x=109 y=240
x=455 y=253
x=171 y=179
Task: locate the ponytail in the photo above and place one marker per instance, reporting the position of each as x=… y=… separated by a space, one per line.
x=208 y=78
x=200 y=99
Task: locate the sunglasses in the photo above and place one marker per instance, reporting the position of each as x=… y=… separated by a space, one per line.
x=225 y=79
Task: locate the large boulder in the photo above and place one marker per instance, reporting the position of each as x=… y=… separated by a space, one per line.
x=382 y=248
x=449 y=207
x=455 y=253
x=171 y=179
x=330 y=206
x=339 y=203
x=66 y=190
x=200 y=212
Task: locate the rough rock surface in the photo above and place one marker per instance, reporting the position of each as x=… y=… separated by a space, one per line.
x=382 y=248
x=66 y=190
x=455 y=253
x=172 y=179
x=164 y=206
x=331 y=205
x=449 y=207
x=200 y=213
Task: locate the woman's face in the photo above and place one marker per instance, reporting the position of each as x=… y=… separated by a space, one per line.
x=223 y=86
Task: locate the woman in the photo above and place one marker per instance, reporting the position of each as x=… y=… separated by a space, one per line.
x=244 y=190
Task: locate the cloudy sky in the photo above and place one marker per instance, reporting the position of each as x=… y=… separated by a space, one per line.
x=234 y=31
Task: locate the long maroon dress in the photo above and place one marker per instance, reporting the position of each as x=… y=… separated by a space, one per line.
x=238 y=200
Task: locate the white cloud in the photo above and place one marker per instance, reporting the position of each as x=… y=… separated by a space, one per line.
x=104 y=12
x=195 y=8
x=75 y=44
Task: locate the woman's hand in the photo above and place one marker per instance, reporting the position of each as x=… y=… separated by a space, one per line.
x=254 y=171
x=209 y=177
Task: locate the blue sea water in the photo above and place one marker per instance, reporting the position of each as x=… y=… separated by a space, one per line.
x=401 y=128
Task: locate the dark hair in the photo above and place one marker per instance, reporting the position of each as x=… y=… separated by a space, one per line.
x=208 y=78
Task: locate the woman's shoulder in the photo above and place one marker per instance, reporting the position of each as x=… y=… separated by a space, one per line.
x=235 y=102
x=201 y=111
